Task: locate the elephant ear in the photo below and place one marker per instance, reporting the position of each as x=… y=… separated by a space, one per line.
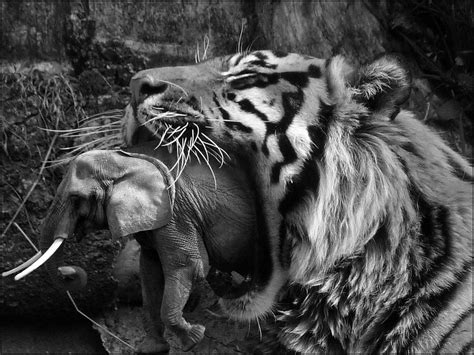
x=139 y=199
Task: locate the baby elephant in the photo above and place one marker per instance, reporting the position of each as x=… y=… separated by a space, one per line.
x=133 y=193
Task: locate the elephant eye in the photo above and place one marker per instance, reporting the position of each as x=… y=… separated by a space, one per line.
x=79 y=205
x=74 y=200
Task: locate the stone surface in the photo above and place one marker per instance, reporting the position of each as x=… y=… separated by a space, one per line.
x=176 y=31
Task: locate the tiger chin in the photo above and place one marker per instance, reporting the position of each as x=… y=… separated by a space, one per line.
x=364 y=213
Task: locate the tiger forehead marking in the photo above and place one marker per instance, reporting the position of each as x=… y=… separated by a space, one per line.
x=259 y=95
x=285 y=77
x=365 y=212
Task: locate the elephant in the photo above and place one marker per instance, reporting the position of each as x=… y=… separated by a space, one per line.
x=177 y=223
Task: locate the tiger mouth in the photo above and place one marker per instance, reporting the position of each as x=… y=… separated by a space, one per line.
x=181 y=127
x=174 y=115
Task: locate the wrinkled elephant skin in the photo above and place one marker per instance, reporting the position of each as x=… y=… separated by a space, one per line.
x=176 y=224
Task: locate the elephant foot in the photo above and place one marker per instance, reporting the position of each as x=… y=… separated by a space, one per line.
x=153 y=345
x=191 y=337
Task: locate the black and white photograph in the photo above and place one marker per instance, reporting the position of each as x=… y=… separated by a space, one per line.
x=236 y=176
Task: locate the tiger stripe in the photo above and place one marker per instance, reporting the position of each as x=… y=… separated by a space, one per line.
x=364 y=212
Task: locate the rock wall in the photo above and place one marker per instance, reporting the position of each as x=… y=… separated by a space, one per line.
x=175 y=31
x=322 y=28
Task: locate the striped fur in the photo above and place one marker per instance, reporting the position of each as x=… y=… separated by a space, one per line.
x=368 y=213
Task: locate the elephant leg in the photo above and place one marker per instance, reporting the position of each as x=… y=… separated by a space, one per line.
x=178 y=284
x=152 y=282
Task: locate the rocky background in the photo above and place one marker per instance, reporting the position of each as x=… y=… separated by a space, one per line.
x=64 y=61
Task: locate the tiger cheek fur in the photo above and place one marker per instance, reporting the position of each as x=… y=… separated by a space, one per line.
x=365 y=212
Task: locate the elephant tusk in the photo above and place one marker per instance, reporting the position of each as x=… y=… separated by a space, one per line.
x=22 y=266
x=47 y=254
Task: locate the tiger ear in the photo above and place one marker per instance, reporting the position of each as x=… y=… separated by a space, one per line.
x=340 y=76
x=383 y=86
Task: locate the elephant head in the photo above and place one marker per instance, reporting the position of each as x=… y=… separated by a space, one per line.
x=125 y=193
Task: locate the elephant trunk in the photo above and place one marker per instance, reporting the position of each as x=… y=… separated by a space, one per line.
x=57 y=227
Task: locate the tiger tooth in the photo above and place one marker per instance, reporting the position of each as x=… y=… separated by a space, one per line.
x=237 y=278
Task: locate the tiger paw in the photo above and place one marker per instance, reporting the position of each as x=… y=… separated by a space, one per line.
x=152 y=345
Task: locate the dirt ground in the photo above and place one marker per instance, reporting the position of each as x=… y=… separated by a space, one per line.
x=223 y=336
x=80 y=336
x=45 y=336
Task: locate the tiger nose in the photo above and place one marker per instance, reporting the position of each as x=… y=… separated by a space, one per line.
x=142 y=87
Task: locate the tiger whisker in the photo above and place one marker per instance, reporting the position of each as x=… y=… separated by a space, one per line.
x=101 y=145
x=178 y=129
x=115 y=119
x=193 y=141
x=221 y=150
x=182 y=160
x=208 y=165
x=155 y=114
x=273 y=314
x=160 y=117
x=197 y=133
x=83 y=144
x=72 y=130
x=220 y=120
x=180 y=170
x=102 y=114
x=88 y=129
x=219 y=157
x=73 y=153
x=259 y=328
x=205 y=149
x=216 y=156
x=56 y=163
x=205 y=157
x=163 y=136
x=179 y=151
x=178 y=137
x=195 y=154
x=86 y=134
x=89 y=145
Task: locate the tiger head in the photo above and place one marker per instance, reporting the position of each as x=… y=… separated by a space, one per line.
x=270 y=110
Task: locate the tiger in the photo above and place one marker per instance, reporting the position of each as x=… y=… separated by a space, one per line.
x=364 y=212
